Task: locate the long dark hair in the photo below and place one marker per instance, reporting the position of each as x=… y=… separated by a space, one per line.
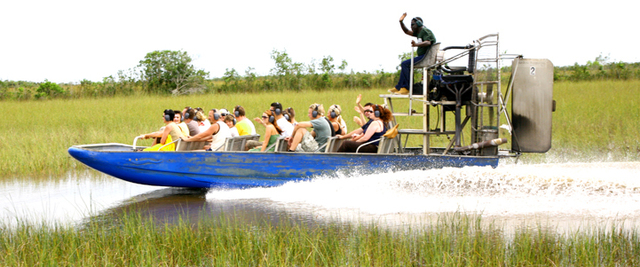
x=385 y=114
x=272 y=113
x=289 y=114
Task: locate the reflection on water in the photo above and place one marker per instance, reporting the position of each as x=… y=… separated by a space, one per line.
x=169 y=205
x=561 y=195
x=66 y=200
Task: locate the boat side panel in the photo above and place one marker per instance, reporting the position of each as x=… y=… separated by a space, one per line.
x=242 y=169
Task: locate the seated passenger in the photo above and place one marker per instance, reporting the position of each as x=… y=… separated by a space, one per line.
x=271 y=133
x=203 y=123
x=310 y=141
x=282 y=122
x=290 y=115
x=244 y=125
x=231 y=122
x=178 y=120
x=189 y=115
x=374 y=129
x=217 y=133
x=170 y=133
x=337 y=123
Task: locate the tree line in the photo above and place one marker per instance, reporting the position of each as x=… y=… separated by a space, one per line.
x=171 y=72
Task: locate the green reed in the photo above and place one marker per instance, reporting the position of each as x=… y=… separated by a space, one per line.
x=216 y=240
x=594 y=121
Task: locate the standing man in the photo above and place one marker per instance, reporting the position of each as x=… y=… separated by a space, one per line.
x=424 y=42
x=310 y=141
x=244 y=125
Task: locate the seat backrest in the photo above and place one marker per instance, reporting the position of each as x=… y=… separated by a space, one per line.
x=430 y=58
x=238 y=143
x=181 y=145
x=229 y=143
x=386 y=145
x=188 y=146
x=333 y=144
x=281 y=145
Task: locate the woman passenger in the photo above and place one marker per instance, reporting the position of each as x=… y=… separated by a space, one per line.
x=203 y=123
x=170 y=133
x=374 y=129
x=272 y=131
x=338 y=124
x=178 y=120
x=290 y=115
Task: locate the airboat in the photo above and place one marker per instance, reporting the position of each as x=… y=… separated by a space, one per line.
x=473 y=94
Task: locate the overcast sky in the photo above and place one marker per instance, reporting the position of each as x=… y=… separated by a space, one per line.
x=67 y=41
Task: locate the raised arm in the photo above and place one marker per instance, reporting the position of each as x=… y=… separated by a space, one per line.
x=259 y=120
x=360 y=109
x=406 y=30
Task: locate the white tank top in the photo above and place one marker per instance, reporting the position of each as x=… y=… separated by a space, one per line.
x=220 y=137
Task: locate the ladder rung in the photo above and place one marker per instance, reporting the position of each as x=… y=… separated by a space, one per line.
x=423 y=132
x=487 y=82
x=488 y=105
x=413 y=97
x=443 y=103
x=407 y=114
x=487 y=60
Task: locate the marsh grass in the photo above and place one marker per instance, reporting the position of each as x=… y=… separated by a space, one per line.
x=216 y=240
x=37 y=145
x=594 y=121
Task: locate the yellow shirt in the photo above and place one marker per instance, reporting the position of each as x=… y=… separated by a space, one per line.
x=245 y=127
x=184 y=129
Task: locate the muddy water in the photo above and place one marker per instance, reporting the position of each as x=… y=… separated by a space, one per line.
x=564 y=196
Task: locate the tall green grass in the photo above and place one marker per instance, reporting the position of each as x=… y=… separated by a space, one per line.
x=452 y=240
x=36 y=140
x=594 y=121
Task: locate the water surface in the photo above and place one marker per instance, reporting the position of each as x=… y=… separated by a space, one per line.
x=568 y=196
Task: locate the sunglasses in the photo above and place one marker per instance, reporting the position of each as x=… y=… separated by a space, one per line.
x=368 y=111
x=264 y=117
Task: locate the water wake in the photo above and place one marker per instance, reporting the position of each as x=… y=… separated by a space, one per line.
x=596 y=190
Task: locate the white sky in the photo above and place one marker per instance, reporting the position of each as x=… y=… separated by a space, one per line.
x=67 y=41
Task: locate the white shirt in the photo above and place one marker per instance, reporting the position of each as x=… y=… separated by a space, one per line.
x=206 y=126
x=285 y=126
x=234 y=132
x=220 y=137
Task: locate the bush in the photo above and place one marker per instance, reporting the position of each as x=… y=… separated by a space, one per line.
x=48 y=90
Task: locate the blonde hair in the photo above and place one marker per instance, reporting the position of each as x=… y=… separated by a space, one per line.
x=318 y=107
x=200 y=116
x=336 y=108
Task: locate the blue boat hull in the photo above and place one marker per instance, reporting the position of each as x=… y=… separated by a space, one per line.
x=249 y=169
